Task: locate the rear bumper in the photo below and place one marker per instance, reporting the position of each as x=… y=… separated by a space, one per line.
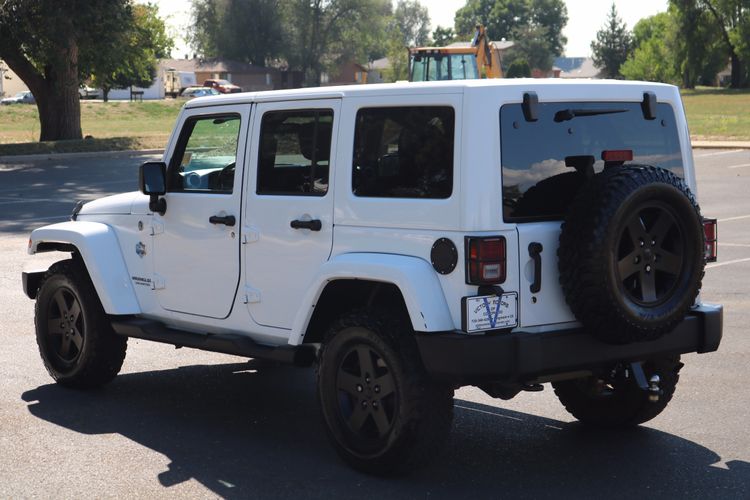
x=522 y=357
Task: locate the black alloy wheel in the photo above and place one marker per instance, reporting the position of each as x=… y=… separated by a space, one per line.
x=65 y=328
x=383 y=413
x=74 y=334
x=366 y=394
x=650 y=255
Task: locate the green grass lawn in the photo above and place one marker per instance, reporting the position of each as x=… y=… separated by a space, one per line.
x=717 y=114
x=113 y=125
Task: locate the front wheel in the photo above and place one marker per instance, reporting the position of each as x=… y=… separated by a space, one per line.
x=612 y=398
x=383 y=414
x=74 y=335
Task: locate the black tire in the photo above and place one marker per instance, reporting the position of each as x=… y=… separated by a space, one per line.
x=75 y=338
x=611 y=402
x=631 y=253
x=388 y=427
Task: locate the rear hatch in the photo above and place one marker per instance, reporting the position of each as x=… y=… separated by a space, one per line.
x=545 y=162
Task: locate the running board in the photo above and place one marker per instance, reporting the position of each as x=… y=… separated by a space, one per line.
x=225 y=343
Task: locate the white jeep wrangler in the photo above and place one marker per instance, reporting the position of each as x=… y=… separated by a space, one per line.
x=408 y=239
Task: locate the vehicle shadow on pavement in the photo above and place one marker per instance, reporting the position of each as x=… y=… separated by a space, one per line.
x=253 y=430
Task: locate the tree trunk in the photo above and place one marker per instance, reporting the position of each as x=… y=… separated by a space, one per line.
x=105 y=93
x=736 y=71
x=58 y=102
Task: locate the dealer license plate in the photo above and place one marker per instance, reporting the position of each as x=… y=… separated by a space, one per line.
x=490 y=312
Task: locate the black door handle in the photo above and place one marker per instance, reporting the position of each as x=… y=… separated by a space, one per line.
x=535 y=252
x=227 y=220
x=312 y=225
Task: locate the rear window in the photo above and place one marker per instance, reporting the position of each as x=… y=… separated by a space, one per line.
x=537 y=184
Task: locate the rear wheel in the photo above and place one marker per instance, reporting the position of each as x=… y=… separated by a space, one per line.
x=613 y=399
x=383 y=414
x=74 y=336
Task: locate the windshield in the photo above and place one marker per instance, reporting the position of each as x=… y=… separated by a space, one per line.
x=545 y=162
x=432 y=67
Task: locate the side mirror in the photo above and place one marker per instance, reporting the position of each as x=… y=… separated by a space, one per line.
x=152 y=180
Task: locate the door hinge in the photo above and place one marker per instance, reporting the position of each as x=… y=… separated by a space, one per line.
x=251 y=296
x=250 y=235
x=156 y=228
x=158 y=282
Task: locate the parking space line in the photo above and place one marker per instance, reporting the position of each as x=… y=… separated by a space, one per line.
x=739 y=217
x=36 y=219
x=717 y=153
x=743 y=245
x=72 y=184
x=727 y=263
x=10 y=201
x=740 y=166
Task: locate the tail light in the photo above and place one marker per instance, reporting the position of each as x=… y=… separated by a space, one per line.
x=710 y=228
x=485 y=260
x=617 y=155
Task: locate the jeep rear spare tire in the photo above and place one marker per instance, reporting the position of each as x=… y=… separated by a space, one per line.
x=631 y=253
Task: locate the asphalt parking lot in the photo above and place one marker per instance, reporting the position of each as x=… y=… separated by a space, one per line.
x=182 y=423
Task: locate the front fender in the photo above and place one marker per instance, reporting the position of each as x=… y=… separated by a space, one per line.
x=417 y=280
x=98 y=246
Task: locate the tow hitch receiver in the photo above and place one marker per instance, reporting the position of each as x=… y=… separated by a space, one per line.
x=651 y=386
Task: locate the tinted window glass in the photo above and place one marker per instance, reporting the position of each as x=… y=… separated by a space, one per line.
x=206 y=155
x=295 y=147
x=538 y=185
x=404 y=152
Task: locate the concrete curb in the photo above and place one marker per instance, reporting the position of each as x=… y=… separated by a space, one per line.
x=72 y=156
x=721 y=144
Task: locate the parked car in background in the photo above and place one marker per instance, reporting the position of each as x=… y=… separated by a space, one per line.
x=223 y=86
x=176 y=82
x=199 y=92
x=86 y=92
x=25 y=97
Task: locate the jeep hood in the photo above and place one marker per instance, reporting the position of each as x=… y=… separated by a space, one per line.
x=119 y=204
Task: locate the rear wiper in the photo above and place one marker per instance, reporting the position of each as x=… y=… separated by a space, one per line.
x=568 y=114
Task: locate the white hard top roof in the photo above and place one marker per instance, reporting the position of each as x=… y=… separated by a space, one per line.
x=401 y=88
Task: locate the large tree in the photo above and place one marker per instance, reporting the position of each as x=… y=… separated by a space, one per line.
x=652 y=58
x=318 y=34
x=242 y=30
x=733 y=20
x=42 y=41
x=129 y=58
x=412 y=21
x=612 y=46
x=518 y=20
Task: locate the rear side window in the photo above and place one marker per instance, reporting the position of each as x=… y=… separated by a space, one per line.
x=537 y=184
x=404 y=152
x=295 y=150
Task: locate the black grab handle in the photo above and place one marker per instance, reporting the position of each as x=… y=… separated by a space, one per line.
x=535 y=252
x=227 y=220
x=312 y=225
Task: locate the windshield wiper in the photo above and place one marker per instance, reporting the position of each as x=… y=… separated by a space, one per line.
x=568 y=114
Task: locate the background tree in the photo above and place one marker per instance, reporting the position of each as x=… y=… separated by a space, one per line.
x=129 y=58
x=412 y=20
x=652 y=59
x=44 y=40
x=241 y=30
x=612 y=46
x=443 y=36
x=518 y=20
x=733 y=20
x=695 y=43
x=518 y=69
x=320 y=33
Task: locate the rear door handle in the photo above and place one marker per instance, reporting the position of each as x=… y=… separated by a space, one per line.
x=535 y=252
x=227 y=220
x=312 y=225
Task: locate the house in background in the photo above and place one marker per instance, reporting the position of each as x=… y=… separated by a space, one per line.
x=249 y=77
x=576 y=67
x=346 y=73
x=377 y=70
x=10 y=84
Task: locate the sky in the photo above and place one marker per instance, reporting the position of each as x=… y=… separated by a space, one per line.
x=585 y=18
